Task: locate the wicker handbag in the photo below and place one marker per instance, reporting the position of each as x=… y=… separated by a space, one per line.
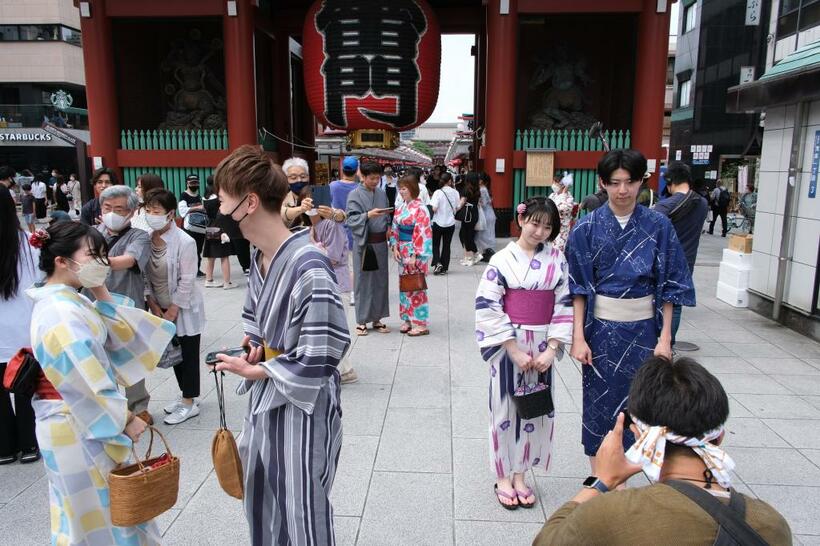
x=140 y=492
x=412 y=282
x=225 y=455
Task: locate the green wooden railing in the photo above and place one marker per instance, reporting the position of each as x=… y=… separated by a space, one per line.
x=172 y=177
x=563 y=140
x=165 y=139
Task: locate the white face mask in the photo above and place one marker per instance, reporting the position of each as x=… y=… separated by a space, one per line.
x=92 y=274
x=156 y=221
x=114 y=221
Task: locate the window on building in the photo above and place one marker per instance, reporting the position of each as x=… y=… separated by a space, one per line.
x=684 y=93
x=690 y=13
x=9 y=33
x=39 y=33
x=70 y=35
x=796 y=16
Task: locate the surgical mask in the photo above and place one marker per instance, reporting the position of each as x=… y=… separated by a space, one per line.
x=297 y=187
x=92 y=273
x=193 y=187
x=230 y=226
x=114 y=221
x=156 y=221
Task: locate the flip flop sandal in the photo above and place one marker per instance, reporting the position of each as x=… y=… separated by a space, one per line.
x=418 y=333
x=404 y=329
x=381 y=328
x=361 y=330
x=508 y=496
x=523 y=495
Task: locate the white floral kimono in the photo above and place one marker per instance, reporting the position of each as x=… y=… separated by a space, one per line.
x=517 y=444
x=86 y=350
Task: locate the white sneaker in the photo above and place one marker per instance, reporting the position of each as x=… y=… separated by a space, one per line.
x=182 y=414
x=212 y=284
x=228 y=286
x=170 y=408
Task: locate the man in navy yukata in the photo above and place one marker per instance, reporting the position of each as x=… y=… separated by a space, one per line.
x=627 y=270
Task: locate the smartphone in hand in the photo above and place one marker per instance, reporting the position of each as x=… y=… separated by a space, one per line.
x=212 y=360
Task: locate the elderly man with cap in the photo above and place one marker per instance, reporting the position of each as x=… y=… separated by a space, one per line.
x=190 y=201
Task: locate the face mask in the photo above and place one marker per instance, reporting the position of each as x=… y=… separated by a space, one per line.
x=193 y=187
x=230 y=226
x=114 y=221
x=156 y=221
x=92 y=274
x=297 y=187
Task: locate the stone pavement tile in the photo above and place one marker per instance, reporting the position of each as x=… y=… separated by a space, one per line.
x=353 y=474
x=25 y=520
x=736 y=409
x=346 y=530
x=210 y=518
x=799 y=433
x=405 y=508
x=426 y=351
x=799 y=505
x=563 y=400
x=378 y=369
x=711 y=349
x=783 y=366
x=751 y=432
x=736 y=383
x=801 y=384
x=196 y=463
x=758 y=350
x=16 y=478
x=166 y=519
x=813 y=400
x=420 y=388
x=774 y=466
x=731 y=336
x=494 y=533
x=473 y=482
x=363 y=408
x=812 y=454
x=470 y=404
x=807 y=540
x=554 y=492
x=375 y=343
x=725 y=364
x=804 y=350
x=468 y=373
x=568 y=459
x=569 y=373
x=815 y=362
x=773 y=406
x=415 y=440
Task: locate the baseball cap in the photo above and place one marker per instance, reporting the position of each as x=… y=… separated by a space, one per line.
x=192 y=178
x=350 y=163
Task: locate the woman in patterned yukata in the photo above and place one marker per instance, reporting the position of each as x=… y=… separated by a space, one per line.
x=627 y=269
x=411 y=239
x=296 y=327
x=523 y=318
x=562 y=197
x=86 y=350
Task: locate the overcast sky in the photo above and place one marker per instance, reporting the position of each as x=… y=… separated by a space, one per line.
x=455 y=95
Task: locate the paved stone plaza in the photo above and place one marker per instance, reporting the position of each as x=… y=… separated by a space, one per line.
x=414 y=466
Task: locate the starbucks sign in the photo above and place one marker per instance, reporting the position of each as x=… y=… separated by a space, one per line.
x=61 y=99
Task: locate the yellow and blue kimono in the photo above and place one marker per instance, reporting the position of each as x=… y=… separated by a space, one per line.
x=86 y=350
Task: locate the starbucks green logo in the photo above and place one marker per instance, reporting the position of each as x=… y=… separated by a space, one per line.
x=61 y=100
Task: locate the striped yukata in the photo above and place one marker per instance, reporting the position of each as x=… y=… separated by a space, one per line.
x=292 y=434
x=517 y=444
x=87 y=349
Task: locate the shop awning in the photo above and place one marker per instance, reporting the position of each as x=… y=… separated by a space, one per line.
x=796 y=78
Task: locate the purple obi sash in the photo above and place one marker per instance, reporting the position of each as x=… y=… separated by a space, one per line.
x=529 y=307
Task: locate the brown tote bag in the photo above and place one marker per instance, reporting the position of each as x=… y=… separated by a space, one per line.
x=412 y=282
x=227 y=464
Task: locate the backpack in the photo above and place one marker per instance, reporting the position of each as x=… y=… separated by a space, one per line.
x=723 y=198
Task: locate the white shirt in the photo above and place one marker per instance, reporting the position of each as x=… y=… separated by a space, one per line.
x=623 y=220
x=424 y=195
x=38 y=190
x=388 y=182
x=15 y=313
x=445 y=203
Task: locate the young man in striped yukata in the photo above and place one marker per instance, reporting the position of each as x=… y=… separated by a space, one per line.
x=296 y=328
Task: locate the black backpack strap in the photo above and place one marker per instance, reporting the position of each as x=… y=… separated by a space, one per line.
x=731 y=519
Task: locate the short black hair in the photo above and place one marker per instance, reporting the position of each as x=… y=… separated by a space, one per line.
x=65 y=238
x=26 y=187
x=678 y=172
x=161 y=197
x=112 y=174
x=6 y=172
x=370 y=167
x=540 y=209
x=630 y=160
x=681 y=395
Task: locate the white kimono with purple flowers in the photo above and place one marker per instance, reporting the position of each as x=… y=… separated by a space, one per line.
x=516 y=444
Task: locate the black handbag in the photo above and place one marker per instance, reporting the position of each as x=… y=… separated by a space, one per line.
x=369 y=260
x=465 y=213
x=22 y=373
x=534 y=400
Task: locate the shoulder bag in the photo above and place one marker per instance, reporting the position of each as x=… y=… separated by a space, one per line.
x=225 y=455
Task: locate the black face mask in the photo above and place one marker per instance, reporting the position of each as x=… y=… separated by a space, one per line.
x=230 y=226
x=193 y=187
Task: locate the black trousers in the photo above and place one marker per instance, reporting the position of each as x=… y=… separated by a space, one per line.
x=242 y=247
x=722 y=213
x=441 y=253
x=16 y=427
x=187 y=373
x=40 y=208
x=200 y=242
x=467 y=235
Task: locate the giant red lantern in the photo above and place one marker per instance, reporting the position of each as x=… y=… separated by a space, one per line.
x=372 y=66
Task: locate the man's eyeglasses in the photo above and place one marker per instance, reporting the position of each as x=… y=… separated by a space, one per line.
x=614 y=182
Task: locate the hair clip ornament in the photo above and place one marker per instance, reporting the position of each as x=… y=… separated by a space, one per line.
x=521 y=208
x=38 y=238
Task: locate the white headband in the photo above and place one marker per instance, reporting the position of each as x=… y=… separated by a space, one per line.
x=649 y=451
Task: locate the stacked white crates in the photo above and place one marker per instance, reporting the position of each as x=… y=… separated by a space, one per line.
x=733 y=280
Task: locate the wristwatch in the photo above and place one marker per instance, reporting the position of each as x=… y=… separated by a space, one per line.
x=552 y=346
x=593 y=482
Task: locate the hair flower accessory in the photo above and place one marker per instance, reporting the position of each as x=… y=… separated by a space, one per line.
x=38 y=238
x=521 y=208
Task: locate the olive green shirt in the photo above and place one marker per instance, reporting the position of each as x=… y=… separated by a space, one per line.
x=656 y=514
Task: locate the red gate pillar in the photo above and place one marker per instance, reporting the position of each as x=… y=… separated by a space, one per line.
x=239 y=75
x=100 y=86
x=650 y=83
x=501 y=77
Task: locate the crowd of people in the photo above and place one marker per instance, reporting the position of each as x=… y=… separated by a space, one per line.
x=103 y=298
